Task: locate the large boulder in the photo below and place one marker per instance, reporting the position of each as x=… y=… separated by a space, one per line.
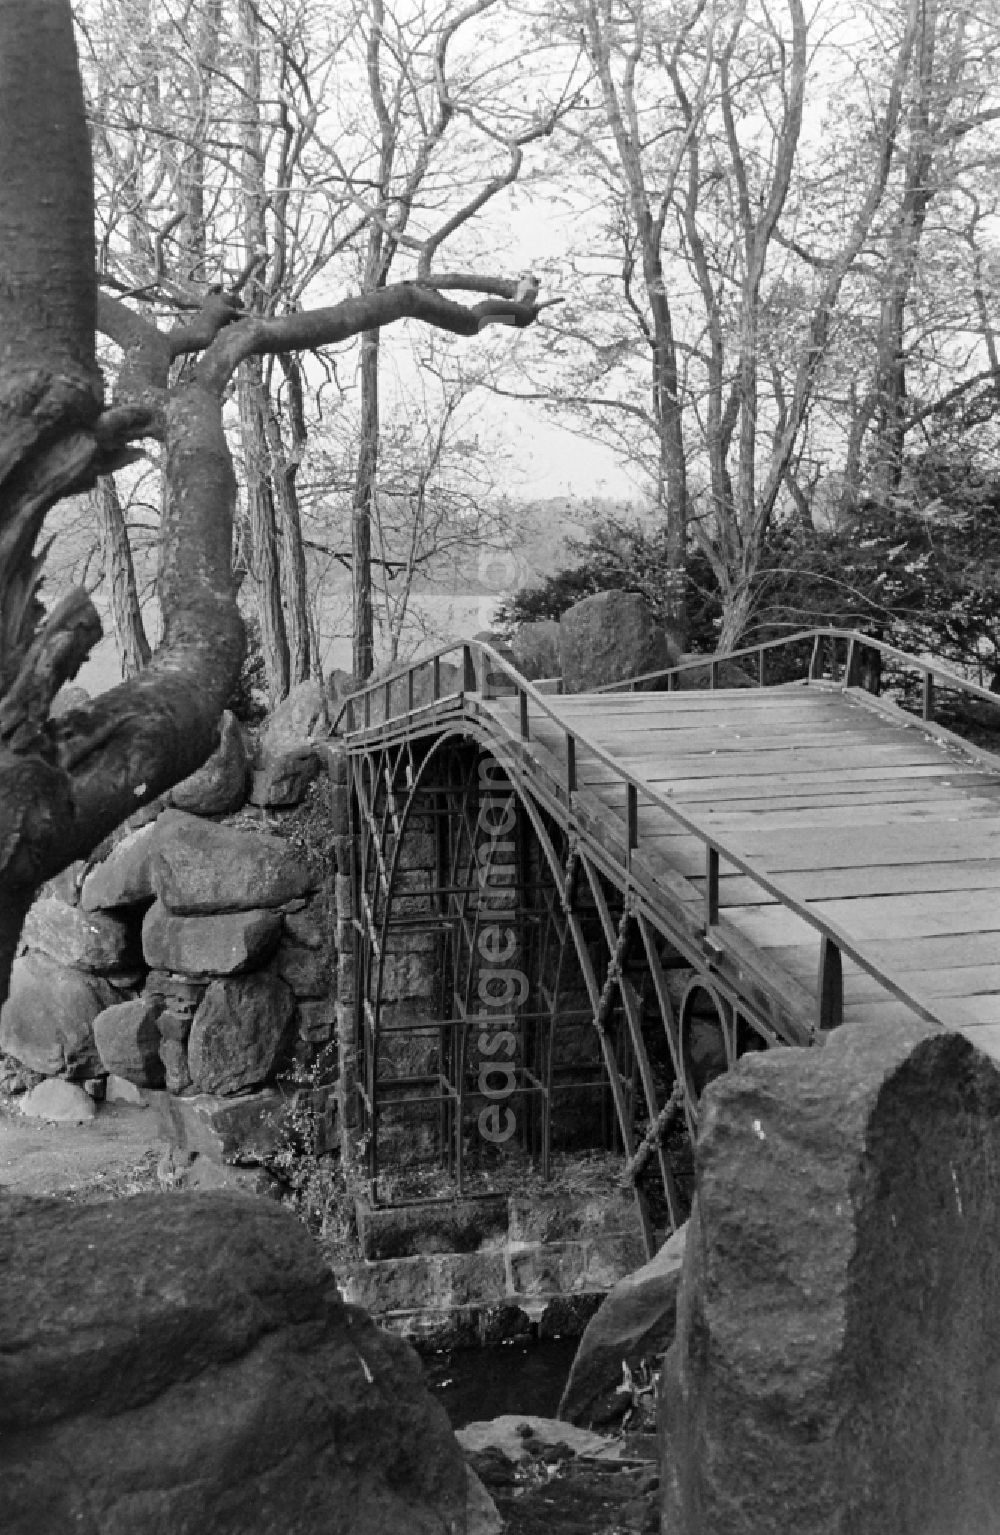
x=238 y=1032
x=220 y=943
x=220 y=785
x=93 y=940
x=47 y=1020
x=611 y=637
x=199 y=867
x=838 y=1332
x=535 y=649
x=127 y=1036
x=301 y=716
x=172 y=1364
x=125 y=876
x=634 y=1325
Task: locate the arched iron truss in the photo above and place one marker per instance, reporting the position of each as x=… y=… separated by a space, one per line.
x=598 y=961
x=530 y=970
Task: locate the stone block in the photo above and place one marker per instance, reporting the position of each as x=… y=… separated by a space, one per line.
x=634 y=1326
x=202 y=867
x=184 y=1364
x=837 y=1327
x=176 y=1073
x=247 y=1128
x=554 y=1215
x=238 y=1032
x=298 y=717
x=58 y=1102
x=535 y=649
x=281 y=780
x=125 y=876
x=567 y=1267
x=47 y=1020
x=445 y=1226
x=127 y=1036
x=434 y=1281
x=220 y=785
x=316 y=1021
x=179 y=994
x=306 y=971
x=219 y=943
x=92 y=940
x=608 y=638
x=310 y=926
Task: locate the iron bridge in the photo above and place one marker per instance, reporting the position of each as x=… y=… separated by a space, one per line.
x=573 y=911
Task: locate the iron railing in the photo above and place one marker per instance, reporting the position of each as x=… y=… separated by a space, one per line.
x=835 y=944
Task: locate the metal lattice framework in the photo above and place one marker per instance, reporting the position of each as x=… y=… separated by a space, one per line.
x=479 y=857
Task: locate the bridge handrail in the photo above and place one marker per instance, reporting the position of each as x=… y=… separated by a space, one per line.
x=855 y=639
x=834 y=942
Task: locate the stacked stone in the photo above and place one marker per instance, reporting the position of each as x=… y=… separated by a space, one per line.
x=225 y=910
x=192 y=956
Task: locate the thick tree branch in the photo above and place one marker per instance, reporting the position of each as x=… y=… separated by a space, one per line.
x=259 y=335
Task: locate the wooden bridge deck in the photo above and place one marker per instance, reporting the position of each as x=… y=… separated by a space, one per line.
x=883 y=827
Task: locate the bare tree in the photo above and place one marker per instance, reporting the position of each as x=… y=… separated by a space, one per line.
x=65 y=783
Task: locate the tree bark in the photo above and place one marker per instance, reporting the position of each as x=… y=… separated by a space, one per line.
x=119 y=574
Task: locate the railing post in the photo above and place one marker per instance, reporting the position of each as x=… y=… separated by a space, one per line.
x=928 y=698
x=570 y=766
x=469 y=670
x=388 y=698
x=851 y=664
x=368 y=707
x=714 y=675
x=672 y=680
x=632 y=817
x=831 y=985
x=816 y=659
x=437 y=678
x=711 y=887
x=761 y=666
x=522 y=699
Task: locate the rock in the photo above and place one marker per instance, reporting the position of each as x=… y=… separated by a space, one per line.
x=70 y=696
x=119 y=1090
x=634 y=1325
x=535 y=648
x=91 y=940
x=238 y=1031
x=481 y=1514
x=296 y=720
x=221 y=784
x=306 y=971
x=731 y=675
x=124 y=877
x=608 y=638
x=59 y=1102
x=283 y=778
x=202 y=867
x=837 y=1325
x=47 y=1020
x=512 y=1433
x=66 y=884
x=180 y=1363
x=127 y=1036
x=309 y=927
x=251 y=1127
x=219 y=943
x=176 y=1072
x=316 y=1020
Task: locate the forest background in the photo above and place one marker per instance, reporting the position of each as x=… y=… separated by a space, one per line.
x=767 y=395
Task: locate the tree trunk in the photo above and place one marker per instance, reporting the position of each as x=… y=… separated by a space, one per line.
x=365 y=491
x=119 y=574
x=263 y=560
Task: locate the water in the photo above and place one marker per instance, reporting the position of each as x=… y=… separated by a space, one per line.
x=476 y=1384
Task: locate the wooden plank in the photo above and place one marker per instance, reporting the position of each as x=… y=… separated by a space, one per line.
x=871 y=813
x=785 y=852
x=915 y=915
x=740 y=890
